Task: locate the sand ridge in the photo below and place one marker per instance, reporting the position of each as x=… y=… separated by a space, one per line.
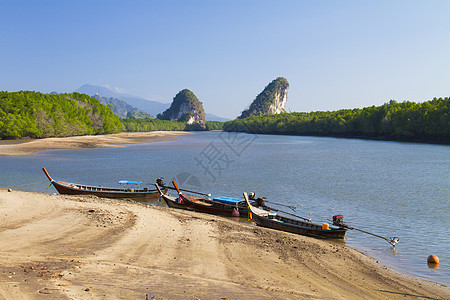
x=30 y=146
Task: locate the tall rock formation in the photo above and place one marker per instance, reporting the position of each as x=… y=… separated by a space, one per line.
x=270 y=101
x=186 y=108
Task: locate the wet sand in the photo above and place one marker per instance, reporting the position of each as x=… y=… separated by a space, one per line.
x=78 y=247
x=30 y=146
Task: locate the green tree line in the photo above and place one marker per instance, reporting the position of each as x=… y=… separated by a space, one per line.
x=144 y=125
x=37 y=115
x=214 y=125
x=29 y=114
x=426 y=121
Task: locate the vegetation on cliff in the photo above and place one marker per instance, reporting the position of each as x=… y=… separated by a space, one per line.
x=261 y=105
x=37 y=115
x=185 y=107
x=122 y=108
x=427 y=121
x=139 y=114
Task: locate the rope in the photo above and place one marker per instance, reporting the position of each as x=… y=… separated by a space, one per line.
x=171 y=188
x=293 y=207
x=391 y=240
x=274 y=209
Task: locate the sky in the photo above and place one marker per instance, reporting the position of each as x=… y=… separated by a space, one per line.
x=335 y=54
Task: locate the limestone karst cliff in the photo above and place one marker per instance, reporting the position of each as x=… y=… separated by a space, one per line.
x=270 y=101
x=186 y=108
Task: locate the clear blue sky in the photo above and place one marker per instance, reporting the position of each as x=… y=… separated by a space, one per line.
x=335 y=54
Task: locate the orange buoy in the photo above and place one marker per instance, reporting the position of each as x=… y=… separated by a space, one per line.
x=433 y=259
x=325 y=226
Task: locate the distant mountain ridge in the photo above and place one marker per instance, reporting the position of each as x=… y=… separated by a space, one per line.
x=148 y=106
x=152 y=107
x=122 y=108
x=212 y=117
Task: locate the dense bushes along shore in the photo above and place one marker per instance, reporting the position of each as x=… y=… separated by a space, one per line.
x=37 y=115
x=143 y=125
x=29 y=114
x=427 y=121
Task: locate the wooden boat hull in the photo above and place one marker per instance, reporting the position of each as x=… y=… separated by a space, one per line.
x=298 y=226
x=302 y=228
x=172 y=202
x=212 y=207
x=76 y=189
x=66 y=188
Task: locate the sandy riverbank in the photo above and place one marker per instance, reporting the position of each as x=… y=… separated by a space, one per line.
x=70 y=247
x=26 y=147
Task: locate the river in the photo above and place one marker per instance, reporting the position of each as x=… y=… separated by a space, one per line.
x=388 y=188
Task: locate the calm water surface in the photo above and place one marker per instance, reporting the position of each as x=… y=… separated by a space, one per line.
x=389 y=188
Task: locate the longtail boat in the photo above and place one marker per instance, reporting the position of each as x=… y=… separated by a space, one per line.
x=225 y=206
x=105 y=192
x=274 y=220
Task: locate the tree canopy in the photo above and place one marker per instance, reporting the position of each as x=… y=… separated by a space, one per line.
x=427 y=121
x=37 y=115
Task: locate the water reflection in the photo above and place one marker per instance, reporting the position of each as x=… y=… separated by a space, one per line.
x=433 y=266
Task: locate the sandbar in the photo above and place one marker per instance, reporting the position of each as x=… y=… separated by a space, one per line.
x=31 y=146
x=84 y=247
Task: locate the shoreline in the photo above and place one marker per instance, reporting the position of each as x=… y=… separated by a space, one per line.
x=358 y=137
x=91 y=248
x=31 y=146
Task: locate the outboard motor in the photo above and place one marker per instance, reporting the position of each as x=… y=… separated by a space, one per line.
x=260 y=202
x=338 y=220
x=160 y=181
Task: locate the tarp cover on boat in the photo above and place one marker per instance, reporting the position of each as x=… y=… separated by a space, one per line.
x=129 y=182
x=227 y=200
